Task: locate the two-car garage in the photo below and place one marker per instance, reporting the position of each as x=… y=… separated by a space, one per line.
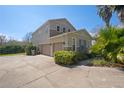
x=45 y=49
x=49 y=49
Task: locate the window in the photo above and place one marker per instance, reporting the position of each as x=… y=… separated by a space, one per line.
x=88 y=43
x=80 y=42
x=63 y=29
x=58 y=28
x=85 y=43
x=68 y=30
x=80 y=45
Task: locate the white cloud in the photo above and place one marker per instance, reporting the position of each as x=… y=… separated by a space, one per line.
x=5 y=35
x=95 y=30
x=10 y=37
x=121 y=25
x=92 y=33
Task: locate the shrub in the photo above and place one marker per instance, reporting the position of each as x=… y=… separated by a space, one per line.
x=120 y=56
x=98 y=62
x=79 y=56
x=68 y=57
x=90 y=55
x=64 y=57
x=29 y=48
x=11 y=49
x=108 y=43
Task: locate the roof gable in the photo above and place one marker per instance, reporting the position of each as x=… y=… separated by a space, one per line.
x=79 y=32
x=62 y=19
x=55 y=20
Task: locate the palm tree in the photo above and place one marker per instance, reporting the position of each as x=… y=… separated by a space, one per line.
x=105 y=12
x=120 y=12
x=109 y=43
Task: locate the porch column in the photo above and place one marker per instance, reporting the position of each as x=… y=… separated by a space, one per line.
x=51 y=49
x=75 y=44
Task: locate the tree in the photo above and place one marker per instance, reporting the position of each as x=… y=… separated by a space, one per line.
x=2 y=39
x=109 y=43
x=120 y=12
x=105 y=12
x=27 y=37
x=14 y=42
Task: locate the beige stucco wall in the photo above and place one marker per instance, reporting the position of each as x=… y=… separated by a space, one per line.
x=58 y=39
x=77 y=36
x=50 y=40
x=68 y=39
x=62 y=24
x=41 y=35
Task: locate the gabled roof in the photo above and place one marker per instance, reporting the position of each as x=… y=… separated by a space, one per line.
x=59 y=19
x=73 y=32
x=53 y=20
x=62 y=19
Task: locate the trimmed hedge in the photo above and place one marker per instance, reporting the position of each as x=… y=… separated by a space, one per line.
x=64 y=57
x=11 y=49
x=68 y=57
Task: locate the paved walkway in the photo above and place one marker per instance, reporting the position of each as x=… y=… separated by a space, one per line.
x=40 y=71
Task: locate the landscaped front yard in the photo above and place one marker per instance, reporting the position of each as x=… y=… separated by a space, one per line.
x=41 y=71
x=11 y=54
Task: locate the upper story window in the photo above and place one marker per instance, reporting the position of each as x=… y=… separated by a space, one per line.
x=63 y=29
x=68 y=30
x=58 y=28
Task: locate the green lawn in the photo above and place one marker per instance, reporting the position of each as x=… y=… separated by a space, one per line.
x=12 y=54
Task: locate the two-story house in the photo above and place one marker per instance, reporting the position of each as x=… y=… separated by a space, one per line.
x=59 y=34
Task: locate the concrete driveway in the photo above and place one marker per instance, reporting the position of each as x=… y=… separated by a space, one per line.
x=41 y=71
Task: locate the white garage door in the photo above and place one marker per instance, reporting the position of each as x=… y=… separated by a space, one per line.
x=46 y=49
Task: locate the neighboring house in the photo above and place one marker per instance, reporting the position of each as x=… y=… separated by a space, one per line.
x=59 y=34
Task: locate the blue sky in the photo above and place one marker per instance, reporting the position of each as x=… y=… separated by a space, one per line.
x=16 y=21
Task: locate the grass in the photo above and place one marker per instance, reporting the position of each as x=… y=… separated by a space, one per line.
x=99 y=62
x=12 y=54
x=102 y=63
